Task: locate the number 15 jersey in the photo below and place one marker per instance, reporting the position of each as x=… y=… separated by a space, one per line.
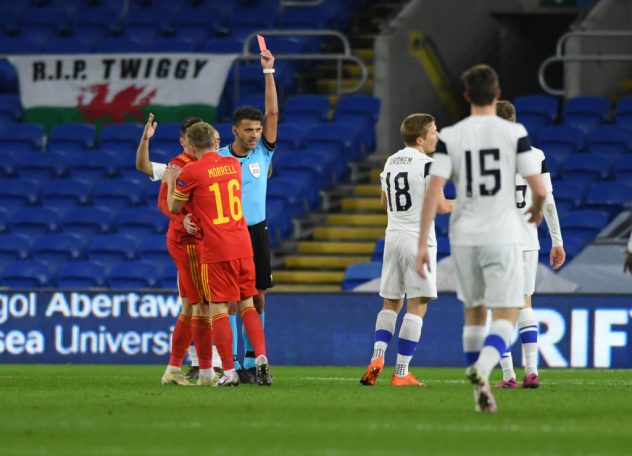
x=404 y=179
x=212 y=185
x=482 y=155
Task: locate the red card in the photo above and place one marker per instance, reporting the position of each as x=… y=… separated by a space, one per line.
x=262 y=43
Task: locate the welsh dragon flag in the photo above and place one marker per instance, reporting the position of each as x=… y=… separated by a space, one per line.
x=106 y=88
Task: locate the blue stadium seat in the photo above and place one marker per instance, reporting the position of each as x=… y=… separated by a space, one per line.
x=41 y=24
x=120 y=45
x=622 y=168
x=573 y=245
x=22 y=137
x=284 y=189
x=289 y=137
x=39 y=166
x=361 y=113
x=279 y=224
x=142 y=222
x=71 y=137
x=5 y=216
x=225 y=130
x=609 y=139
x=587 y=112
x=58 y=248
x=165 y=139
x=442 y=224
x=146 y=24
x=153 y=249
x=196 y=24
x=443 y=247
x=306 y=183
x=172 y=44
x=609 y=196
x=34 y=221
x=92 y=24
x=169 y=277
x=378 y=252
x=124 y=136
x=92 y=166
x=314 y=163
x=586 y=168
x=568 y=195
x=304 y=18
x=359 y=273
x=245 y=21
x=66 y=193
x=81 y=275
x=307 y=110
x=119 y=193
x=333 y=143
x=10 y=108
x=111 y=249
x=584 y=223
x=14 y=247
x=18 y=193
x=536 y=111
x=623 y=113
x=68 y=45
x=560 y=140
x=26 y=274
x=18 y=45
x=223 y=46
x=133 y=275
x=88 y=221
x=256 y=100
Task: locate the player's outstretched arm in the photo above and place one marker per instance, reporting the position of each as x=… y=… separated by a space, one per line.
x=143 y=164
x=271 y=116
x=428 y=212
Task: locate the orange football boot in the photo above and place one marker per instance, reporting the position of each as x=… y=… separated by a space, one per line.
x=409 y=380
x=375 y=368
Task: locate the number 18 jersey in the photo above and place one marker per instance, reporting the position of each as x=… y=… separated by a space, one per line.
x=482 y=155
x=404 y=179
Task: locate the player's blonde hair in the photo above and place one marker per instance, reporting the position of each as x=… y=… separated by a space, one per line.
x=506 y=110
x=201 y=136
x=414 y=126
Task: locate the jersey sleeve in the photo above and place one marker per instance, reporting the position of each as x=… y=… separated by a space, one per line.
x=184 y=185
x=442 y=164
x=527 y=163
x=158 y=170
x=164 y=207
x=268 y=147
x=383 y=180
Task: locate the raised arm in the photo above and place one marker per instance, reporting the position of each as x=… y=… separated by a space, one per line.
x=271 y=116
x=143 y=164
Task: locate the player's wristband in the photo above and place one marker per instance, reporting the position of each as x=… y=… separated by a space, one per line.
x=268 y=70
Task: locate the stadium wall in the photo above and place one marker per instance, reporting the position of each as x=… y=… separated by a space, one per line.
x=302 y=329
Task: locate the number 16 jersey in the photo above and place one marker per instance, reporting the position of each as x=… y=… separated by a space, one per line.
x=482 y=155
x=404 y=179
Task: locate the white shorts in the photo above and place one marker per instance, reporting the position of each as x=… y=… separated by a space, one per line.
x=491 y=274
x=399 y=271
x=530 y=261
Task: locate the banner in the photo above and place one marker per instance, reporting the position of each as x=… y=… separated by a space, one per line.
x=301 y=329
x=105 y=88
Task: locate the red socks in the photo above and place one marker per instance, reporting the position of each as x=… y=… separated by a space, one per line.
x=203 y=340
x=180 y=340
x=223 y=340
x=254 y=329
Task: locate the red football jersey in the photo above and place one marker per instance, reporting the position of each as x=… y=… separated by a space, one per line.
x=176 y=231
x=212 y=188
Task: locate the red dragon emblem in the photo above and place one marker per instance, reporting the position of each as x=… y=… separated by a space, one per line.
x=119 y=108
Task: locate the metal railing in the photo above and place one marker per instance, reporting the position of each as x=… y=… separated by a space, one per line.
x=561 y=50
x=338 y=57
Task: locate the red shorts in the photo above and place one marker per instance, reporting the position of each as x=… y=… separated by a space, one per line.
x=227 y=281
x=186 y=258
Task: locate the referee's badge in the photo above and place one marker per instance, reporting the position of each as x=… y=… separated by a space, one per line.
x=254 y=169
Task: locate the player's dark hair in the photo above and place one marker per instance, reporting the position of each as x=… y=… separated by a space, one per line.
x=201 y=136
x=481 y=84
x=246 y=113
x=506 y=110
x=186 y=123
x=414 y=126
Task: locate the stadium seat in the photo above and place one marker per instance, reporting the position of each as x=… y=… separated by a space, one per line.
x=359 y=273
x=572 y=247
x=198 y=25
x=586 y=168
x=142 y=222
x=123 y=137
x=34 y=221
x=560 y=140
x=18 y=45
x=66 y=193
x=133 y=275
x=118 y=193
x=81 y=275
x=68 y=45
x=111 y=249
x=305 y=182
x=587 y=112
x=609 y=196
x=290 y=137
x=39 y=167
x=166 y=139
x=225 y=130
x=5 y=216
x=92 y=166
x=622 y=168
x=88 y=221
x=623 y=113
x=322 y=172
x=361 y=113
x=41 y=24
x=536 y=111
x=279 y=224
x=169 y=277
x=223 y=46
x=24 y=137
x=119 y=45
x=609 y=140
x=14 y=247
x=26 y=275
x=256 y=100
x=153 y=249
x=71 y=137
x=333 y=144
x=58 y=248
x=18 y=193
x=146 y=24
x=568 y=195
x=92 y=24
x=172 y=44
x=245 y=21
x=304 y=18
x=10 y=108
x=285 y=189
x=307 y=110
x=378 y=252
x=584 y=223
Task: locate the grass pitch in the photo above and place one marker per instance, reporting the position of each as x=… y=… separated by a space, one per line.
x=123 y=410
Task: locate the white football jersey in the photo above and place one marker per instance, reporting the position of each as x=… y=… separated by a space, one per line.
x=404 y=179
x=482 y=155
x=524 y=199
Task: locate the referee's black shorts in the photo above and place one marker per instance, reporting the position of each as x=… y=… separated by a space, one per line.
x=261 y=248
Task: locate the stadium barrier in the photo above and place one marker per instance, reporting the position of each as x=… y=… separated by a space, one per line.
x=302 y=329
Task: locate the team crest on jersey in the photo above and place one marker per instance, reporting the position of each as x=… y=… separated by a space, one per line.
x=254 y=169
